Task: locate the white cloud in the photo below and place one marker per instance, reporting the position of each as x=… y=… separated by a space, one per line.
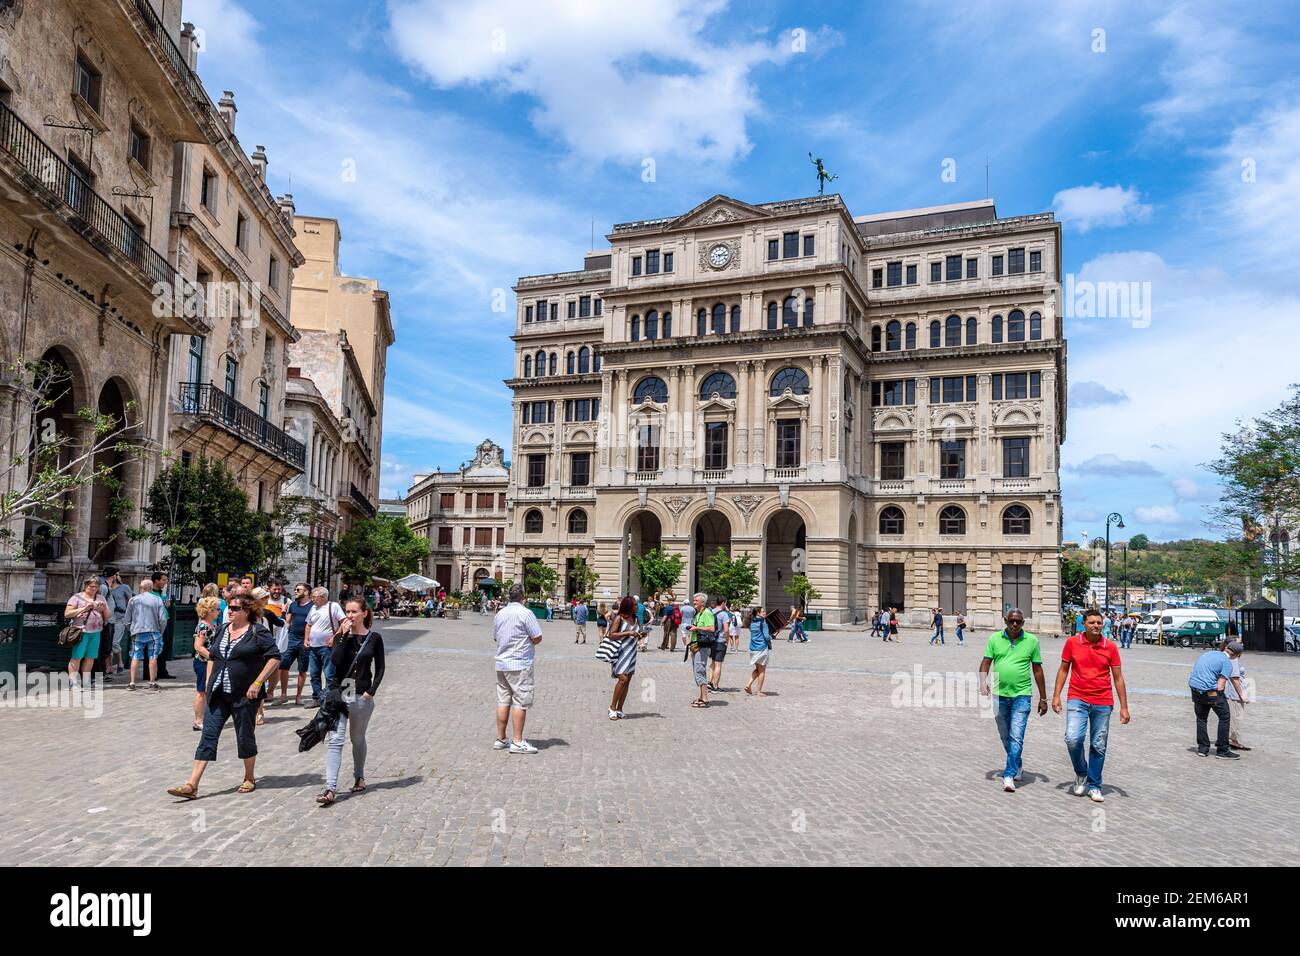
x=1159 y=514
x=612 y=81
x=1094 y=395
x=1091 y=207
x=1112 y=466
x=1203 y=68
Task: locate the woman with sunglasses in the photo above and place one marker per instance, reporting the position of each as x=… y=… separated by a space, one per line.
x=242 y=656
x=358 y=656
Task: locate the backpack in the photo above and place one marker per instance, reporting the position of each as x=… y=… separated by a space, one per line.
x=674 y=615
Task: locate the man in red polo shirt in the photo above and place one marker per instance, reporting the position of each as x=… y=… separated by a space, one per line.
x=1090 y=661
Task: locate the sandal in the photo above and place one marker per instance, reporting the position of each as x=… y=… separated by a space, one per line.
x=196 y=726
x=359 y=786
x=326 y=798
x=186 y=790
x=248 y=786
x=699 y=703
x=260 y=722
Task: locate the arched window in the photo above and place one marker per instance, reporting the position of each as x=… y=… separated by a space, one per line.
x=636 y=328
x=893 y=336
x=808 y=312
x=771 y=316
x=577 y=521
x=652 y=325
x=719 y=382
x=702 y=322
x=528 y=366
x=1015 y=326
x=584 y=360
x=997 y=328
x=972 y=331
x=668 y=325
x=795 y=379
x=651 y=387
x=1035 y=326
x=570 y=363
x=719 y=324
x=539 y=363
x=1015 y=520
x=935 y=334
x=952 y=520
x=909 y=336
x=554 y=363
x=875 y=338
x=952 y=331
x=533 y=522
x=790 y=313
x=891 y=520
x=735 y=319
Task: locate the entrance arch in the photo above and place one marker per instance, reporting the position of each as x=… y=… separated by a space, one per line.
x=712 y=534
x=853 y=568
x=62 y=384
x=105 y=528
x=785 y=545
x=644 y=534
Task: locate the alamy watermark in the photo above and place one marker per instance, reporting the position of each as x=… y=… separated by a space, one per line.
x=1084 y=299
x=51 y=691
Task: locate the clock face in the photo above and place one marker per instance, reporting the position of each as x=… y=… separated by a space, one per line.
x=719 y=256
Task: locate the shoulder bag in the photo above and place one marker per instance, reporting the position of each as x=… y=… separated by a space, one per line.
x=72 y=631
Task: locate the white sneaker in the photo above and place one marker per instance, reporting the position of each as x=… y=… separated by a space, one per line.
x=613 y=715
x=1080 y=784
x=1095 y=796
x=501 y=744
x=1021 y=775
x=1008 y=784
x=523 y=747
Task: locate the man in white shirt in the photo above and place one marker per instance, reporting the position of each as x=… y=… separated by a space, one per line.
x=516 y=632
x=323 y=622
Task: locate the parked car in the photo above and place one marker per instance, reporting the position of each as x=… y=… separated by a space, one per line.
x=1196 y=634
x=1173 y=618
x=1291 y=639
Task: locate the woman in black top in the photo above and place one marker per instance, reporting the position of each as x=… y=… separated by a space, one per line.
x=358 y=657
x=241 y=657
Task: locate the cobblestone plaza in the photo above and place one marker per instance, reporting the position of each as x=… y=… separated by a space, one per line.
x=826 y=770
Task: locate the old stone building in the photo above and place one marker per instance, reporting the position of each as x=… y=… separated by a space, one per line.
x=463 y=515
x=94 y=99
x=876 y=402
x=310 y=421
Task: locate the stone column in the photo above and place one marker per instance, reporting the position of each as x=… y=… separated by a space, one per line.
x=757 y=453
x=619 y=419
x=820 y=400
x=687 y=463
x=743 y=385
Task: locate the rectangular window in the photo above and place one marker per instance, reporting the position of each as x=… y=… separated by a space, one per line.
x=909 y=397
x=997 y=388
x=444 y=537
x=273 y=274
x=911 y=274
x=1015 y=261
x=1015 y=458
x=877 y=278
x=636 y=265
x=555 y=311
x=89 y=82
x=1018 y=588
x=970 y=388
x=1035 y=261
x=952 y=267
x=668 y=262
x=892 y=461
x=469 y=501
x=134 y=236
x=485 y=499
x=232 y=376
x=715 y=445
x=953 y=388
x=952 y=459
x=528 y=313
x=894 y=273
x=139 y=146
x=208 y=190
x=536 y=471
x=446 y=502
x=972 y=268
x=788 y=443
x=997 y=265
x=541 y=311
x=952 y=588
x=580 y=469
x=1017 y=385
x=652 y=262
x=934 y=390
x=501 y=541
x=1035 y=384
x=647 y=448
x=600 y=306
x=584 y=306
x=241 y=231
x=773 y=248
x=790 y=245
x=808 y=245
x=482 y=537
x=501 y=501
x=936 y=271
x=572 y=309
x=464 y=536
x=892 y=392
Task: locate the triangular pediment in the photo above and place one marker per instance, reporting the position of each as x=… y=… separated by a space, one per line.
x=719 y=209
x=788 y=399
x=715 y=401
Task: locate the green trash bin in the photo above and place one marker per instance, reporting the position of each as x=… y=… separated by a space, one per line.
x=812 y=621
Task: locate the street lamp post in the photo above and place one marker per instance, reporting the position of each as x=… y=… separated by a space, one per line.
x=1116 y=519
x=1125 y=547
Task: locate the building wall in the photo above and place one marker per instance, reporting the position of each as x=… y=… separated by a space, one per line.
x=453 y=528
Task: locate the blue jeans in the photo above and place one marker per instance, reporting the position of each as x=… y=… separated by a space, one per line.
x=318 y=659
x=796 y=633
x=1077 y=715
x=1012 y=718
x=938 y=635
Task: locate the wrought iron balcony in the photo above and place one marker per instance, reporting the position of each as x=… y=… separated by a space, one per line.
x=99 y=222
x=361 y=501
x=210 y=404
x=172 y=54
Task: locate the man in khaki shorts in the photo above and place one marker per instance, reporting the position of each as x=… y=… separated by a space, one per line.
x=516 y=632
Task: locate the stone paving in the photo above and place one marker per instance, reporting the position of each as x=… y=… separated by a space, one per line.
x=826 y=770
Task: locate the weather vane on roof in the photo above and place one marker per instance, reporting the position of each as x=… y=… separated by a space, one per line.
x=823 y=177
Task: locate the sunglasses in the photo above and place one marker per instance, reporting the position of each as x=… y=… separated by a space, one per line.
x=237 y=607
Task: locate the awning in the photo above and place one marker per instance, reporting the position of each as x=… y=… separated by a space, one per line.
x=417 y=582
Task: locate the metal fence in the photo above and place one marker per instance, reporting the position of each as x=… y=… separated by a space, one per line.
x=29 y=635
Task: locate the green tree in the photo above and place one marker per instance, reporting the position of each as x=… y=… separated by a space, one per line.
x=383 y=547
x=1139 y=542
x=735 y=579
x=1074 y=580
x=540 y=579
x=201 y=516
x=800 y=588
x=282 y=535
x=584 y=580
x=658 y=571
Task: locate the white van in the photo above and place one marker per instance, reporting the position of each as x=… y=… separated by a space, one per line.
x=1151 y=625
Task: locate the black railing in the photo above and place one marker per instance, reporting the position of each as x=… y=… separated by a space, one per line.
x=213 y=405
x=362 y=502
x=173 y=55
x=99 y=222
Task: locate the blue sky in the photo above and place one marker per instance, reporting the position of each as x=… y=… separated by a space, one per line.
x=465 y=144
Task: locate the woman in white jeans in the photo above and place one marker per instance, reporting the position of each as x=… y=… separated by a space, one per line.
x=358 y=657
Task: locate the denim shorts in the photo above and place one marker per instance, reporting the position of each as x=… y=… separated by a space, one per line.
x=296 y=651
x=200 y=674
x=146 y=645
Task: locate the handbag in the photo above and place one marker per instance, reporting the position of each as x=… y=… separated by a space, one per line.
x=71 y=632
x=609 y=648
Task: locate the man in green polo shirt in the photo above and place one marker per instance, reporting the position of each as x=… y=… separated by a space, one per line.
x=1014 y=652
